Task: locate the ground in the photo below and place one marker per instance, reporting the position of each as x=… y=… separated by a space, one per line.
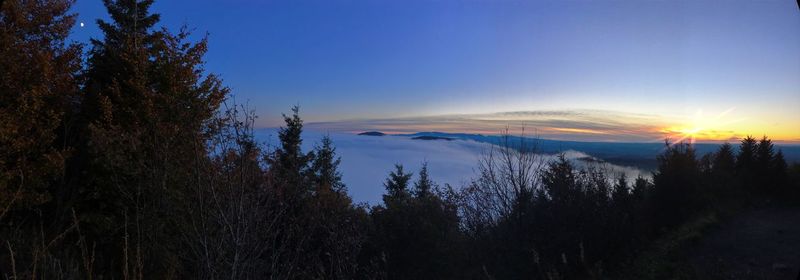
x=755 y=244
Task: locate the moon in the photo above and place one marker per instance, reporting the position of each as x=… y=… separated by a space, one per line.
x=81 y=24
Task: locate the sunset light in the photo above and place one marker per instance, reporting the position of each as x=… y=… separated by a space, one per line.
x=702 y=127
x=399 y=139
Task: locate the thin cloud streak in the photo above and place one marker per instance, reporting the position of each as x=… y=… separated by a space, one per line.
x=579 y=125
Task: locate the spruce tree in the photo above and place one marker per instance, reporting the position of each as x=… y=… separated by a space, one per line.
x=676 y=185
x=765 y=154
x=397 y=185
x=117 y=91
x=746 y=160
x=423 y=185
x=38 y=85
x=640 y=188
x=290 y=164
x=723 y=172
x=621 y=192
x=558 y=180
x=724 y=161
x=145 y=118
x=326 y=167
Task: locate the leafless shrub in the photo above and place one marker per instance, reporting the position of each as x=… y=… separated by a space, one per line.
x=505 y=172
x=233 y=224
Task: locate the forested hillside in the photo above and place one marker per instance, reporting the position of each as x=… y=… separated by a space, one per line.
x=125 y=159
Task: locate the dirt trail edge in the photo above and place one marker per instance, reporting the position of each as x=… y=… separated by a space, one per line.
x=756 y=244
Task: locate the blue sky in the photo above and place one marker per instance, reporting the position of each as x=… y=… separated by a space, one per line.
x=370 y=59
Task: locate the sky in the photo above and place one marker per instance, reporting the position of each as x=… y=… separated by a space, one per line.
x=573 y=70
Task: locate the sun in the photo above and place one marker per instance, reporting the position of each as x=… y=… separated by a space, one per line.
x=683 y=134
x=690 y=134
x=700 y=127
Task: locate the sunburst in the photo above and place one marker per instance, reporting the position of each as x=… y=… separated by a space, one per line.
x=700 y=127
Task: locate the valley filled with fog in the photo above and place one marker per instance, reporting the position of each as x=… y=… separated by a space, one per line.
x=367 y=160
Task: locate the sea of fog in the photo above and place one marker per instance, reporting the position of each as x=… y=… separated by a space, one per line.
x=367 y=160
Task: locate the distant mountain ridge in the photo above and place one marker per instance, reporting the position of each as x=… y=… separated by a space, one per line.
x=641 y=155
x=372 y=133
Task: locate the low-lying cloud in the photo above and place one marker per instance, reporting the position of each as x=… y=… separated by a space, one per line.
x=367 y=160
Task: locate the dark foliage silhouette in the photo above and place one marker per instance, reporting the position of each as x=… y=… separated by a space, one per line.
x=133 y=163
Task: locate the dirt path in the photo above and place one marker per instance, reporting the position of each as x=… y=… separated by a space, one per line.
x=757 y=244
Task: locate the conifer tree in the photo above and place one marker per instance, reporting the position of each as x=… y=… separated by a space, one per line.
x=765 y=155
x=746 y=161
x=747 y=153
x=423 y=185
x=764 y=151
x=146 y=115
x=621 y=193
x=746 y=164
x=676 y=185
x=724 y=161
x=640 y=188
x=558 y=180
x=722 y=175
x=117 y=89
x=326 y=167
x=335 y=224
x=397 y=185
x=38 y=84
x=290 y=163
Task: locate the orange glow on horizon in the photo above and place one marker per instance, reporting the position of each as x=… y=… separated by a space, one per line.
x=578 y=130
x=727 y=126
x=719 y=128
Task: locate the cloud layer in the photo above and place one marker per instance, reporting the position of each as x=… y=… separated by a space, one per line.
x=367 y=160
x=581 y=125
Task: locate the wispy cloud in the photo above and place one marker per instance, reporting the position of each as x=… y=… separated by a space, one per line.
x=582 y=125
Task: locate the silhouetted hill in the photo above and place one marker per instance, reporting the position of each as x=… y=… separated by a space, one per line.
x=372 y=133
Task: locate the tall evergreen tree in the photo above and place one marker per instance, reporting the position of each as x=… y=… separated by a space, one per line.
x=558 y=180
x=640 y=188
x=290 y=164
x=146 y=115
x=397 y=185
x=676 y=185
x=335 y=225
x=290 y=137
x=423 y=185
x=38 y=86
x=722 y=175
x=621 y=192
x=326 y=167
x=117 y=89
x=746 y=161
x=724 y=161
x=765 y=154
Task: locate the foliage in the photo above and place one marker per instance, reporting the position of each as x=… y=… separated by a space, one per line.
x=131 y=164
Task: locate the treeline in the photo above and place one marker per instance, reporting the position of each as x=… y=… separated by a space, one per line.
x=129 y=163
